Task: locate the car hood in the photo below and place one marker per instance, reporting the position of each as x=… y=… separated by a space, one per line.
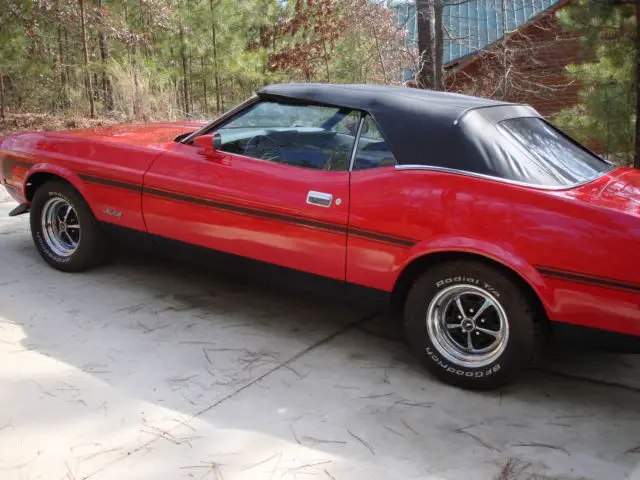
x=619 y=191
x=146 y=135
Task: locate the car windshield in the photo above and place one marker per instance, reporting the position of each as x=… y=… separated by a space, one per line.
x=274 y=115
x=564 y=161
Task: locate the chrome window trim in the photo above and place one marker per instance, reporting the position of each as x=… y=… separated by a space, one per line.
x=354 y=149
x=497 y=179
x=222 y=118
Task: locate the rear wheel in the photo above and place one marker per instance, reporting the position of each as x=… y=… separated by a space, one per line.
x=64 y=230
x=470 y=324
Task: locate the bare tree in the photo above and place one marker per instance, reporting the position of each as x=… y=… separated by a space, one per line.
x=526 y=63
x=430 y=43
x=2 y=97
x=85 y=51
x=185 y=72
x=216 y=71
x=636 y=162
x=107 y=89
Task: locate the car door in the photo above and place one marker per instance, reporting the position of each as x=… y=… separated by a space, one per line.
x=381 y=207
x=275 y=190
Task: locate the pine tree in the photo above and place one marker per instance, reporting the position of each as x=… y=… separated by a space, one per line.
x=608 y=83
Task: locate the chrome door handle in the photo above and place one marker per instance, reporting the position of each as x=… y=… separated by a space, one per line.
x=319 y=199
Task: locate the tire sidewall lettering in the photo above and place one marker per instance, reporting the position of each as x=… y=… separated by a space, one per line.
x=490 y=370
x=469 y=280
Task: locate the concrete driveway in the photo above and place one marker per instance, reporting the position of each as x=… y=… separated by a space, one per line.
x=151 y=370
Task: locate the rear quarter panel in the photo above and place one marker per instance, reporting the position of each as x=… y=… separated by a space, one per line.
x=108 y=175
x=564 y=248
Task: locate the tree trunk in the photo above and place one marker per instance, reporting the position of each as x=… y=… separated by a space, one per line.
x=439 y=67
x=326 y=60
x=61 y=59
x=636 y=162
x=216 y=73
x=107 y=89
x=137 y=101
x=380 y=59
x=66 y=49
x=2 y=96
x=185 y=80
x=204 y=84
x=191 y=78
x=63 y=70
x=85 y=51
x=426 y=17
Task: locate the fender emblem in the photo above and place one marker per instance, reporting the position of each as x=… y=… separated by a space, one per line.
x=112 y=212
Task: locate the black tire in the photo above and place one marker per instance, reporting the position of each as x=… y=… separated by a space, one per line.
x=515 y=352
x=91 y=247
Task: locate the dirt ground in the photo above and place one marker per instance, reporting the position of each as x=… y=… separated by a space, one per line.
x=146 y=369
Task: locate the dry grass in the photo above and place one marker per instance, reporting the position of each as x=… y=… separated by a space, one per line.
x=514 y=469
x=42 y=122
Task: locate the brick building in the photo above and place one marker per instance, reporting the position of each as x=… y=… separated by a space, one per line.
x=527 y=66
x=513 y=50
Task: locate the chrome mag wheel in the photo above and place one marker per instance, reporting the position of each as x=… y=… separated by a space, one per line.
x=60 y=227
x=467 y=325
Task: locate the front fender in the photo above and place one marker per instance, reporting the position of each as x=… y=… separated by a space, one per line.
x=55 y=170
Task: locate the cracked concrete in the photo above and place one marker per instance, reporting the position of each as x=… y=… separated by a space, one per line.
x=146 y=369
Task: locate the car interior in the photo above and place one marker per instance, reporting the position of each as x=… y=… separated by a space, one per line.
x=325 y=145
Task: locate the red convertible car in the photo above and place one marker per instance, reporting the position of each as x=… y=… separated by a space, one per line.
x=489 y=227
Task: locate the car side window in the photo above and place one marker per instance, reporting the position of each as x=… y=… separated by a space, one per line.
x=305 y=136
x=373 y=150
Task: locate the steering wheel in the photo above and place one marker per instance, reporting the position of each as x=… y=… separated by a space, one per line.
x=263 y=147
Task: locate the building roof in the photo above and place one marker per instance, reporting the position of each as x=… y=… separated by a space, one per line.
x=473 y=25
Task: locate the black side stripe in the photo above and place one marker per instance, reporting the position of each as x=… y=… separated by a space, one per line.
x=16 y=163
x=9 y=162
x=405 y=242
x=244 y=210
x=292 y=219
x=247 y=210
x=369 y=234
x=110 y=183
x=587 y=279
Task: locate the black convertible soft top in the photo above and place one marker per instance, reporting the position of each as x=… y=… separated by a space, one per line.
x=424 y=127
x=381 y=99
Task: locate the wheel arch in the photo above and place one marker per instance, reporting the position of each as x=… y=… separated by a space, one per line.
x=422 y=263
x=42 y=173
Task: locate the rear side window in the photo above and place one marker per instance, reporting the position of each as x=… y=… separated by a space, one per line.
x=564 y=161
x=373 y=150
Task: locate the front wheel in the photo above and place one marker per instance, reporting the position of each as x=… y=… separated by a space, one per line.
x=470 y=324
x=64 y=229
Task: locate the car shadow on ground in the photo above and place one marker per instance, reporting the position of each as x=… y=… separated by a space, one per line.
x=240 y=352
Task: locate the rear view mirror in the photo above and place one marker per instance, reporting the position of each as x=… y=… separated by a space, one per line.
x=209 y=142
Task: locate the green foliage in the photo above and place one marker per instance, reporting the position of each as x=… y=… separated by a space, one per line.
x=157 y=59
x=606 y=113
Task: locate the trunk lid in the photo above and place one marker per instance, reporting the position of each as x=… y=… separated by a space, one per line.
x=618 y=191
